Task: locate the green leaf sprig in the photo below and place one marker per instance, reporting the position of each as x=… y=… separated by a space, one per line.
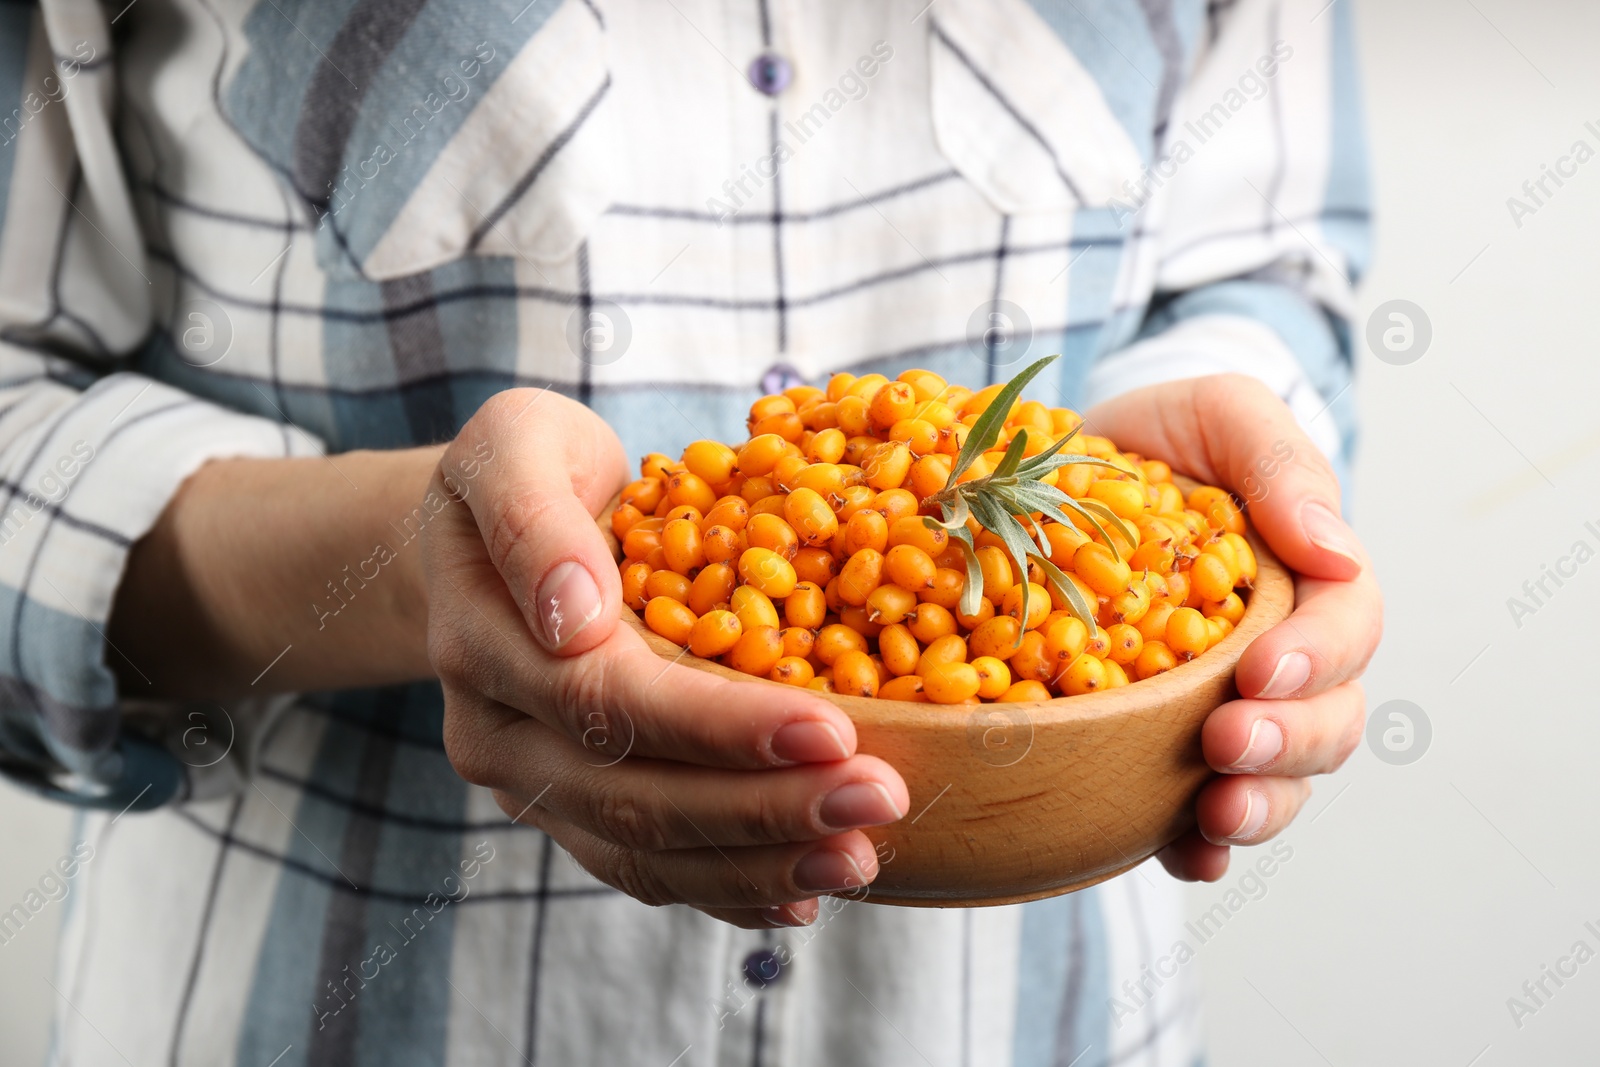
x=1014 y=489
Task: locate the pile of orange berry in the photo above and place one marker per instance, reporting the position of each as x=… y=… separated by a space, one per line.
x=803 y=556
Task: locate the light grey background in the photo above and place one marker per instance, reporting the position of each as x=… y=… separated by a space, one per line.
x=1419 y=898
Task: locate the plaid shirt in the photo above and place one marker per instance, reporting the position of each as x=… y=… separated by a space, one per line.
x=235 y=229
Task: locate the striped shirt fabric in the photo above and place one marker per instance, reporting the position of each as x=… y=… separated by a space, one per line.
x=232 y=228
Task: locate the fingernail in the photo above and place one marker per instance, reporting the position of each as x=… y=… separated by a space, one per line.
x=1266 y=741
x=783 y=915
x=1327 y=531
x=568 y=601
x=1255 y=816
x=859 y=804
x=1292 y=672
x=827 y=870
x=809 y=742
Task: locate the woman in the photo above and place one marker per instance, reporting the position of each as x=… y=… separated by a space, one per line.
x=329 y=327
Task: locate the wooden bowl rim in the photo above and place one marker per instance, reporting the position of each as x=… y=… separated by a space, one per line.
x=1271 y=601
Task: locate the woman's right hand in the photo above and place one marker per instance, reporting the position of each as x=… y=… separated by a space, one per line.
x=742 y=799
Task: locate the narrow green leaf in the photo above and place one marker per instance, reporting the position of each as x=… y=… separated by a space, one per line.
x=1013 y=457
x=972 y=592
x=1131 y=534
x=986 y=431
x=1035 y=470
x=955 y=515
x=1076 y=603
x=1056 y=447
x=1001 y=523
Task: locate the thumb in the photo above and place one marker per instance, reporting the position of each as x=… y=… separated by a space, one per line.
x=555 y=465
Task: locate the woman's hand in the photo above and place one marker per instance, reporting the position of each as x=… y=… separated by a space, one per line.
x=1302 y=709
x=741 y=799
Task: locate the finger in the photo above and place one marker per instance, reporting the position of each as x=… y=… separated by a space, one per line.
x=1289 y=738
x=658 y=805
x=1248 y=809
x=757 y=877
x=1192 y=858
x=555 y=467
x=1328 y=641
x=620 y=697
x=782 y=916
x=1231 y=430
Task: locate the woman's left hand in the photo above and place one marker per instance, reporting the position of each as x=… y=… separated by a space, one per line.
x=1302 y=709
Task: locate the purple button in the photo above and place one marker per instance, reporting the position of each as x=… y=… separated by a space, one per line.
x=780 y=377
x=763 y=967
x=771 y=73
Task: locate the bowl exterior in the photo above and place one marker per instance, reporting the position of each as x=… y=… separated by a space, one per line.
x=1013 y=802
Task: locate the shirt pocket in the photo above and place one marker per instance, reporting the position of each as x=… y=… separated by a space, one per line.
x=471 y=136
x=1019 y=116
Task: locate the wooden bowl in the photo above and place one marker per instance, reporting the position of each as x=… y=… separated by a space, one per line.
x=1014 y=802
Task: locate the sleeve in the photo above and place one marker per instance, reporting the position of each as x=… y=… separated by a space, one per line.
x=90 y=450
x=1257 y=219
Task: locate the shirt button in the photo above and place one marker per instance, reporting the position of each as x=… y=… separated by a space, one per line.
x=763 y=967
x=779 y=377
x=771 y=73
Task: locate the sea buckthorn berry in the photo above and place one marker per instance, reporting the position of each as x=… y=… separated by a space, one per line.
x=836 y=638
x=1125 y=499
x=786 y=424
x=1178 y=589
x=1208 y=577
x=685 y=487
x=644 y=494
x=810 y=517
x=994 y=677
x=867 y=529
x=1064 y=641
x=984 y=613
x=633 y=581
x=657 y=559
x=767 y=572
x=1038 y=605
x=1101 y=570
x=1026 y=691
x=928 y=476
x=854 y=418
x=623 y=518
x=1064 y=542
x=755 y=489
x=1125 y=643
x=713 y=588
x=670 y=618
x=824 y=479
x=731 y=511
x=1246 y=557
x=911 y=530
x=951 y=683
x=924 y=383
x=820 y=415
x=786 y=470
x=839 y=386
x=1216 y=629
x=827 y=446
x=797 y=641
x=853 y=500
x=998 y=637
x=806 y=606
x=1086 y=674
x=899 y=649
x=929 y=622
x=680 y=540
x=946 y=587
x=937 y=414
x=1032 y=659
x=909 y=567
x=998 y=573
x=889 y=604
x=659 y=466
x=867 y=385
x=1099 y=644
x=908 y=687
x=860 y=575
x=1186 y=633
x=771 y=404
x=854 y=674
x=897 y=504
x=952 y=438
x=1129 y=606
x=948 y=649
x=757 y=651
x=822 y=683
x=711 y=461
x=640 y=541
x=792 y=670
x=815 y=565
x=1229 y=607
x=887 y=466
x=916 y=434
x=754 y=608
x=890 y=404
x=860 y=620
x=686 y=511
x=772 y=532
x=714 y=633
x=1076 y=479
x=1152 y=556
x=721 y=544
x=1153 y=627
x=760 y=454
x=1155 y=658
